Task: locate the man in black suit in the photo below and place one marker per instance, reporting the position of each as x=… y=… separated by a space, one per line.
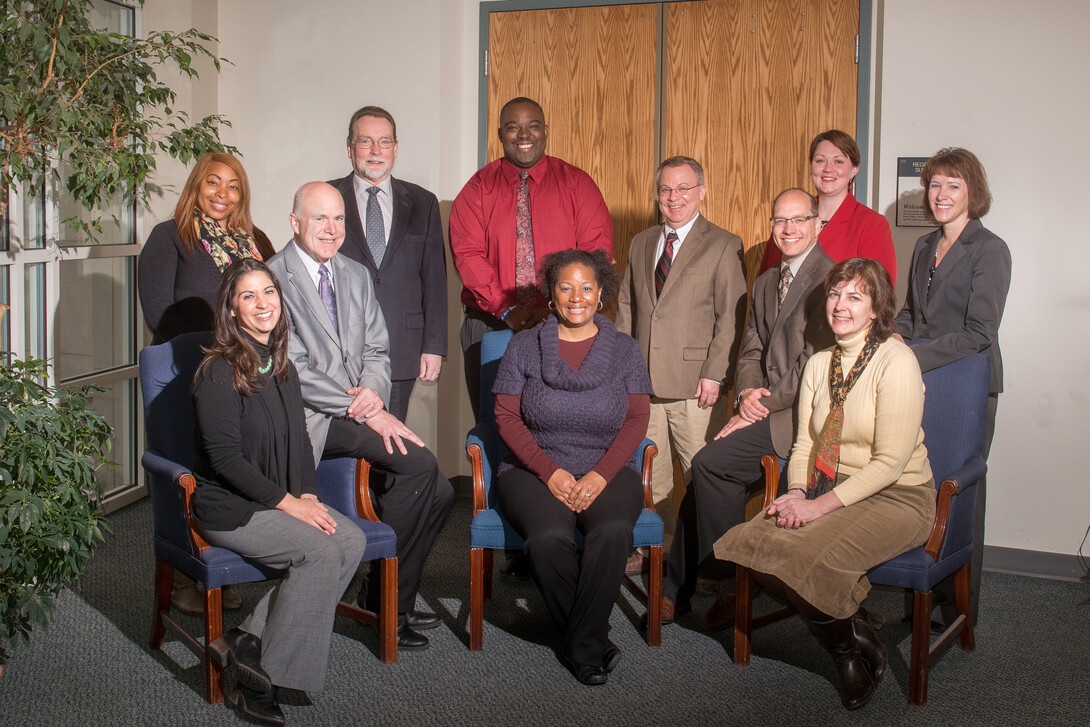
x=393 y=229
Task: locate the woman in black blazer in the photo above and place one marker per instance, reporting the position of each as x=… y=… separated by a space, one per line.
x=957 y=288
x=184 y=257
x=179 y=274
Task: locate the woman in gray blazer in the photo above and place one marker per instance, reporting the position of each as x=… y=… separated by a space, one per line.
x=957 y=287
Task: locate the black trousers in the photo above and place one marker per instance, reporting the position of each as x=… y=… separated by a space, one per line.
x=475 y=325
x=579 y=588
x=414 y=498
x=724 y=471
x=401 y=390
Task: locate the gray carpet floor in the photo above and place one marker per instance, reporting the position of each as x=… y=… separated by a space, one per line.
x=93 y=665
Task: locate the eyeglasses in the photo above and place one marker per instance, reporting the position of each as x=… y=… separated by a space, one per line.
x=367 y=143
x=781 y=221
x=681 y=191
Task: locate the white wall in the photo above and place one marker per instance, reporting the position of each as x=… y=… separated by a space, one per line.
x=1000 y=77
x=1006 y=79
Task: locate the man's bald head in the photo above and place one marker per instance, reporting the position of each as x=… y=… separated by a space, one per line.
x=317 y=219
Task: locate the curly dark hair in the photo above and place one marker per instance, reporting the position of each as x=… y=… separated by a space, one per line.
x=229 y=344
x=874 y=280
x=597 y=260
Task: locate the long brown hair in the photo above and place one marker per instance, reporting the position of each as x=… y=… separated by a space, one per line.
x=228 y=342
x=239 y=219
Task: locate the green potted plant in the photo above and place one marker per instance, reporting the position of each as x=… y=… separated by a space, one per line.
x=51 y=443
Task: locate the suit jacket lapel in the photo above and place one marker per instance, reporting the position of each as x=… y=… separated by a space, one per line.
x=400 y=222
x=685 y=256
x=299 y=278
x=647 y=272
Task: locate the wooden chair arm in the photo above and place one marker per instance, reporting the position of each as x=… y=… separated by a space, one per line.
x=771 y=465
x=188 y=483
x=364 y=507
x=933 y=546
x=476 y=459
x=649 y=455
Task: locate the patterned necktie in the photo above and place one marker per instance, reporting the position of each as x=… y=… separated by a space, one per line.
x=665 y=261
x=325 y=292
x=785 y=282
x=525 y=272
x=376 y=231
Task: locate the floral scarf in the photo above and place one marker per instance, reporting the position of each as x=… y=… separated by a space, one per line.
x=224 y=247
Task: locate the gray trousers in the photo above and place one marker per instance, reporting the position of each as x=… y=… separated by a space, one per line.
x=294 y=620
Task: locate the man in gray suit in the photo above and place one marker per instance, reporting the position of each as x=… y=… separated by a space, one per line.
x=786 y=325
x=392 y=228
x=339 y=346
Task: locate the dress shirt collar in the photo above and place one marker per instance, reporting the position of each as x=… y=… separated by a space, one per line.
x=682 y=232
x=312 y=266
x=797 y=263
x=360 y=185
x=538 y=172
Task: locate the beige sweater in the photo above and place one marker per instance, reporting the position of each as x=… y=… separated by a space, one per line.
x=882 y=442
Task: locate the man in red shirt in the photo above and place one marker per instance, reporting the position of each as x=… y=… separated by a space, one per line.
x=513 y=212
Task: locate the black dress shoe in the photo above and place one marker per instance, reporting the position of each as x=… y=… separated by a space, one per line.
x=588 y=674
x=260 y=705
x=245 y=651
x=407 y=639
x=422 y=620
x=517 y=566
x=610 y=658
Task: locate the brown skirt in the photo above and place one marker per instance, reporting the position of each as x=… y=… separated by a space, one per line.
x=827 y=560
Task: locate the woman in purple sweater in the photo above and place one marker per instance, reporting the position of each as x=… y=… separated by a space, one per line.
x=572 y=403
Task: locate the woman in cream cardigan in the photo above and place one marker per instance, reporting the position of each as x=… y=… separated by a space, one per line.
x=860 y=486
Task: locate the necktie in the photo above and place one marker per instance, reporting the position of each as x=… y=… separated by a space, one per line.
x=376 y=231
x=525 y=272
x=665 y=261
x=785 y=281
x=325 y=292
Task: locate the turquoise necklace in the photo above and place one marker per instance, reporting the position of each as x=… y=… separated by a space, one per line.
x=267 y=367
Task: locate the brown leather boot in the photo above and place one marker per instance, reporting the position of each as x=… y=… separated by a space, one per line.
x=721 y=613
x=837 y=635
x=872 y=648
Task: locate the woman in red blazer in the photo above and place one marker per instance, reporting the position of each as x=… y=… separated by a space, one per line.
x=848 y=229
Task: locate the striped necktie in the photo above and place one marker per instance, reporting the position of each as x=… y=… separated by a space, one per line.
x=665 y=261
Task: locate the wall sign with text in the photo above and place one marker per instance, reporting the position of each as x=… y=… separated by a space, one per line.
x=911 y=210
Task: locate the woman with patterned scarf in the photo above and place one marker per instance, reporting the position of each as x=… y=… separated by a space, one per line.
x=183 y=259
x=860 y=489
x=179 y=273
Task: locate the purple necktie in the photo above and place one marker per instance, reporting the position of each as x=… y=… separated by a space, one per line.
x=325 y=291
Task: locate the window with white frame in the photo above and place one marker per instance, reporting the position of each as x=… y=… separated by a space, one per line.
x=74 y=301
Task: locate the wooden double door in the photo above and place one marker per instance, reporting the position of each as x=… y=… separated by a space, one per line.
x=740 y=85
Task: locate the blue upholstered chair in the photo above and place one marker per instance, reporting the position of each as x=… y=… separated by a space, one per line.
x=166 y=374
x=953 y=423
x=489 y=531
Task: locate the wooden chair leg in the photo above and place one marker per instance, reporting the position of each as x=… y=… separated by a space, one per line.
x=213 y=629
x=743 y=615
x=920 y=661
x=963 y=602
x=477 y=557
x=164 y=582
x=488 y=556
x=387 y=623
x=654 y=597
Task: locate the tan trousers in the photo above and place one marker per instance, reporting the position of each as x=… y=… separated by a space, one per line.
x=679 y=427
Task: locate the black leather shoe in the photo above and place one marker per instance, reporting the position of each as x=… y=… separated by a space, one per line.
x=407 y=639
x=422 y=620
x=517 y=566
x=610 y=658
x=260 y=705
x=588 y=674
x=245 y=651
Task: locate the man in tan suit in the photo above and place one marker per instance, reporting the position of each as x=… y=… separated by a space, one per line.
x=683 y=299
x=786 y=325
